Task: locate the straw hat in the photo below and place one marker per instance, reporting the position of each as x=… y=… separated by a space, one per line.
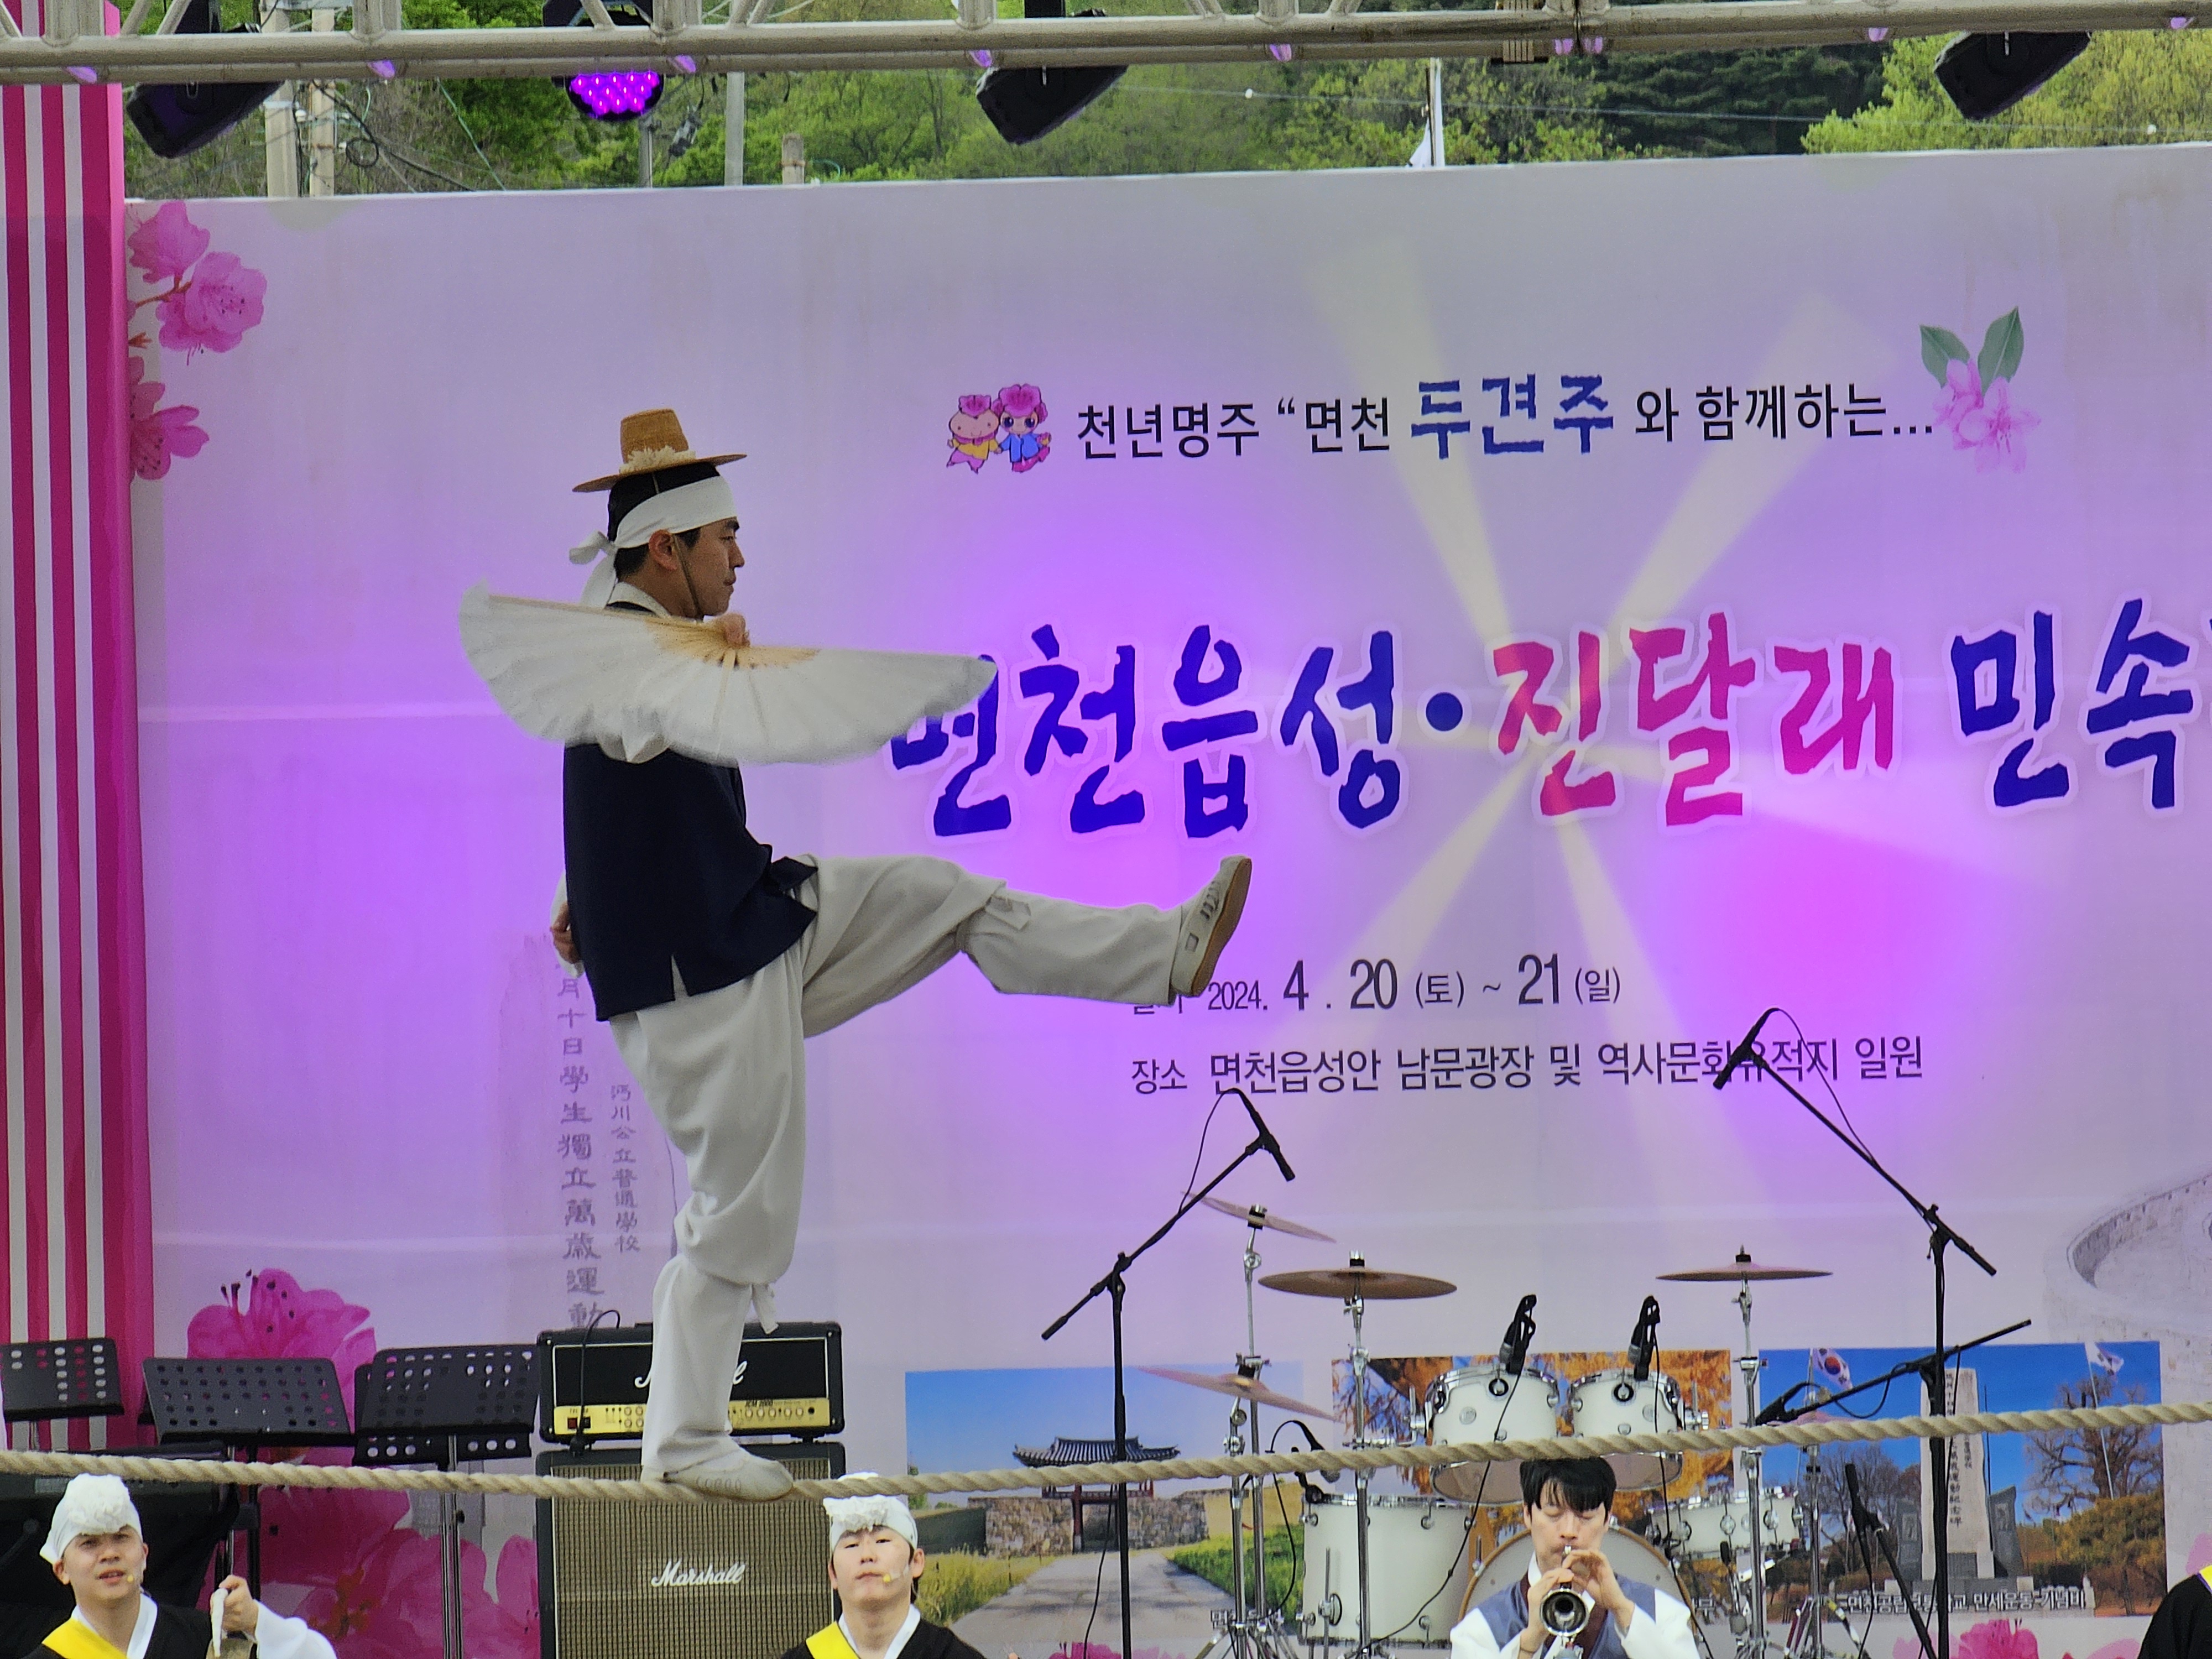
x=653 y=440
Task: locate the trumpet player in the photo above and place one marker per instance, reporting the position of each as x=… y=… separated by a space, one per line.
x=1584 y=1609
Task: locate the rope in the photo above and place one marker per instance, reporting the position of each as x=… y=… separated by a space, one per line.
x=328 y=1477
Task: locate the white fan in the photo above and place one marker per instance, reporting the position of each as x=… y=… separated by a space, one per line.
x=574 y=673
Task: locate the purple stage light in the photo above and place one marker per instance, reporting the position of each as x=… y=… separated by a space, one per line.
x=622 y=96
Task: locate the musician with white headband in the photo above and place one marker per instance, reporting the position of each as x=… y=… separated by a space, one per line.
x=876 y=1563
x=712 y=959
x=97 y=1547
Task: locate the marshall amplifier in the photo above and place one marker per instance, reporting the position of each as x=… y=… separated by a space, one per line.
x=791 y=1382
x=683 y=1581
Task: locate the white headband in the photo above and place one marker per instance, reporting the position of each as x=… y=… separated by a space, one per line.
x=866 y=1514
x=96 y=1505
x=684 y=508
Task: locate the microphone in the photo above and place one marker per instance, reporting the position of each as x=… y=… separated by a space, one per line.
x=1513 y=1349
x=1862 y=1518
x=1741 y=1053
x=1644 y=1343
x=1268 y=1140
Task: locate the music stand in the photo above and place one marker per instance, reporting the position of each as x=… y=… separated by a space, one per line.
x=247 y=1405
x=445 y=1406
x=46 y=1382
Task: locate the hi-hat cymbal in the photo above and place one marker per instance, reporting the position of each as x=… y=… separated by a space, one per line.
x=1236 y=1386
x=1743 y=1268
x=1360 y=1280
x=1259 y=1215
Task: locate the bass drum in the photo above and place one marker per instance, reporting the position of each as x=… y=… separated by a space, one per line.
x=1631 y=1558
x=1416 y=1570
x=1483 y=1403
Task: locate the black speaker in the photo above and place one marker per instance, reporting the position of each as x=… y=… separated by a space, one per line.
x=1025 y=104
x=176 y=120
x=1988 y=74
x=683 y=1581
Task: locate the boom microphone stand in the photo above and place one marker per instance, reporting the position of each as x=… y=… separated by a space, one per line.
x=1941 y=1237
x=1115 y=1285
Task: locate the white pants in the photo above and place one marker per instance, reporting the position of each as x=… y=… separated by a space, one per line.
x=725 y=1074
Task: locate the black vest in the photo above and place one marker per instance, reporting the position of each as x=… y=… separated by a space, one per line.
x=662 y=870
x=179 y=1633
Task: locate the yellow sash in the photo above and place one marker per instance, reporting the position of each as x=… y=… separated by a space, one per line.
x=828 y=1643
x=2206 y=1575
x=78 y=1640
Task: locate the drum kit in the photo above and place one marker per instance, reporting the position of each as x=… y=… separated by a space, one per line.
x=1386 y=1571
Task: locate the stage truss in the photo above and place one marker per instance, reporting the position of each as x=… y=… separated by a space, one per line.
x=73 y=48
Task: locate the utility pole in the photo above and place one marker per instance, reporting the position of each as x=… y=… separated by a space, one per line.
x=733 y=133
x=1436 y=111
x=280 y=126
x=645 y=152
x=322 y=123
x=794 y=158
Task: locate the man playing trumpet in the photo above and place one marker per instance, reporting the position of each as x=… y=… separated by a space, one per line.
x=1568 y=1504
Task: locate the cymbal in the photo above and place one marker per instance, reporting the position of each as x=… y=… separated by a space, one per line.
x=1359 y=1280
x=1743 y=1268
x=1259 y=1215
x=1236 y=1386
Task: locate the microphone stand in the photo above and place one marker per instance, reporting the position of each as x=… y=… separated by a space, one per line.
x=1941 y=1236
x=1114 y=1285
x=1868 y=1525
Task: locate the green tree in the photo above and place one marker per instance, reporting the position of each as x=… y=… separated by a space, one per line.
x=2120 y=1542
x=2130 y=86
x=1730 y=103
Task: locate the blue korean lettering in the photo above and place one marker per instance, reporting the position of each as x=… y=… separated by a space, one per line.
x=1431 y=407
x=1118 y=702
x=1210 y=806
x=1584 y=390
x=1057 y=682
x=1998 y=653
x=2136 y=703
x=952 y=816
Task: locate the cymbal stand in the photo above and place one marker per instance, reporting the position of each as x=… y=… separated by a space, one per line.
x=1357 y=1307
x=1754 y=1640
x=1254 y=1621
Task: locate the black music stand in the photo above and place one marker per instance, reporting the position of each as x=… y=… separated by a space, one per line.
x=247 y=1405
x=446 y=1406
x=48 y=1382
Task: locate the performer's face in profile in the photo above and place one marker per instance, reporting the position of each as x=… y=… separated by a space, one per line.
x=1558 y=1529
x=105 y=1569
x=872 y=1570
x=712 y=563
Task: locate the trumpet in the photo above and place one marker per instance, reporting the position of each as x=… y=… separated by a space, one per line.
x=1565 y=1611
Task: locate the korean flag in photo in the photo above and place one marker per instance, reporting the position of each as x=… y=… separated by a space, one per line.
x=2103 y=1358
x=1825 y=1369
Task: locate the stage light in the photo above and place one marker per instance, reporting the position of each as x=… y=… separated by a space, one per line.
x=1025 y=104
x=615 y=95
x=176 y=120
x=1987 y=74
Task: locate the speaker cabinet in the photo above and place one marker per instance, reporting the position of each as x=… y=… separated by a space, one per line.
x=683 y=1581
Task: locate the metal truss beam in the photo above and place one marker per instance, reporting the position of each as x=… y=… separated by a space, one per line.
x=370 y=51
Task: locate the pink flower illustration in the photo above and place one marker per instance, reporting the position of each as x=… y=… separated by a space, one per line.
x=280 y=1321
x=1997 y=1638
x=1993 y=429
x=165 y=244
x=506 y=1628
x=212 y=311
x=1961 y=397
x=371 y=1588
x=157 y=436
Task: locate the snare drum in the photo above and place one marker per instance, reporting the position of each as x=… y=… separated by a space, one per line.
x=1416 y=1568
x=1698 y=1527
x=1620 y=1402
x=1484 y=1402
